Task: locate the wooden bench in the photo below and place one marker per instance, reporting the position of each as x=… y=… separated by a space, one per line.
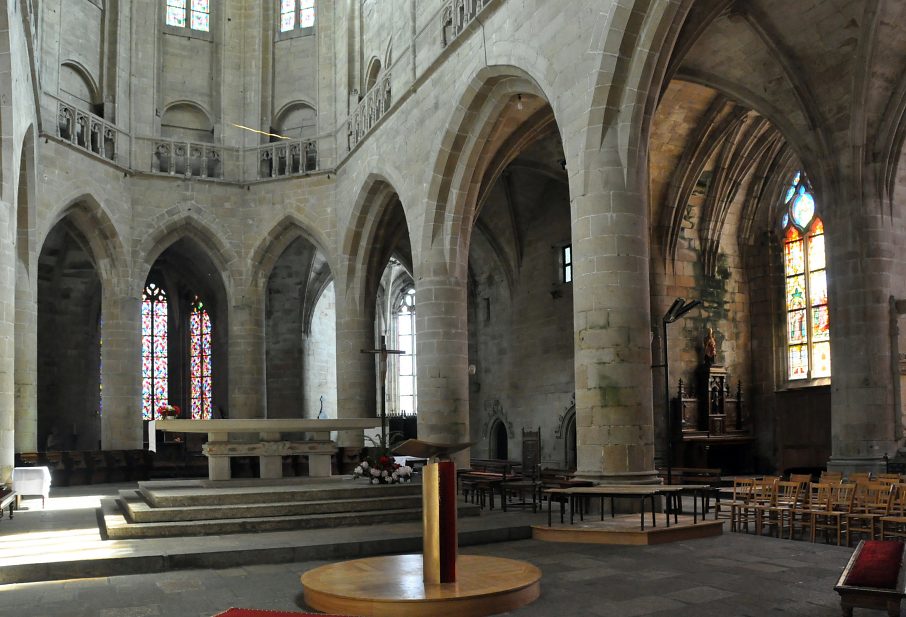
x=873 y=578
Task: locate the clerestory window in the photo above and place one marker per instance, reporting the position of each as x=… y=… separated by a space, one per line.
x=807 y=317
x=296 y=14
x=194 y=14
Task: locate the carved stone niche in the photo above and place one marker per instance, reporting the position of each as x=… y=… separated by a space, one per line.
x=493 y=412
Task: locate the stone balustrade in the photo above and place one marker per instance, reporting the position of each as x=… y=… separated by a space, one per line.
x=370 y=109
x=87 y=131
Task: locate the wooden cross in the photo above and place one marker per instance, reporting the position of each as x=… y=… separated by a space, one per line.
x=382 y=353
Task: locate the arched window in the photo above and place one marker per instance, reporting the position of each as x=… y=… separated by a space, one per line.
x=200 y=360
x=405 y=340
x=290 y=9
x=199 y=14
x=808 y=324
x=155 y=391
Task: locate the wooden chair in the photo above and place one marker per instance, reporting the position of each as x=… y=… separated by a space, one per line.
x=762 y=495
x=859 y=477
x=786 y=498
x=833 y=519
x=872 y=501
x=831 y=477
x=527 y=489
x=893 y=525
x=742 y=495
x=802 y=478
x=816 y=499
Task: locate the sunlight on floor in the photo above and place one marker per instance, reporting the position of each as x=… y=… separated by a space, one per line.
x=59 y=545
x=79 y=502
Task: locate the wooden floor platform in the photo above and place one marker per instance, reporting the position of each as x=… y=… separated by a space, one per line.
x=392 y=586
x=625 y=530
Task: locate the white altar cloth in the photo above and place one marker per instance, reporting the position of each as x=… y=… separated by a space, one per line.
x=32 y=481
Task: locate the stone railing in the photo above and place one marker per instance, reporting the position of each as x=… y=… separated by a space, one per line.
x=457 y=15
x=89 y=132
x=188 y=159
x=369 y=110
x=285 y=158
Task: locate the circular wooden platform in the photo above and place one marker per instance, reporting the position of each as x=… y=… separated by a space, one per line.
x=392 y=586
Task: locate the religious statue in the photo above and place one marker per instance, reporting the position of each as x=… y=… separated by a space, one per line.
x=710 y=348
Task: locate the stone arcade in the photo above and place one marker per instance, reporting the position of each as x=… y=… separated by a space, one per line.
x=218 y=205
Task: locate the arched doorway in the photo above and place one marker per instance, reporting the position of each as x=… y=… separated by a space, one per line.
x=499 y=441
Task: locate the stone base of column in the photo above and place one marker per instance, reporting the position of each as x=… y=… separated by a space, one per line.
x=874 y=464
x=622 y=477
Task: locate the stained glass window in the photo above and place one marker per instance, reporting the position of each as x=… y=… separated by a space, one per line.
x=155 y=391
x=808 y=319
x=176 y=13
x=306 y=13
x=288 y=10
x=200 y=360
x=199 y=14
x=287 y=15
x=566 y=260
x=405 y=340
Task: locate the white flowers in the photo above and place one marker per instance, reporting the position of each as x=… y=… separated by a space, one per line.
x=383 y=471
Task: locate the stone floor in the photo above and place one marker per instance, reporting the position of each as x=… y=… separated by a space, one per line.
x=731 y=575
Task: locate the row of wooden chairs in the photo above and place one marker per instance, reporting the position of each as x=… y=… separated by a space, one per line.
x=832 y=508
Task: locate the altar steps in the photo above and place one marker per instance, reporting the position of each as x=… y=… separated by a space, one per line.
x=137 y=510
x=162 y=509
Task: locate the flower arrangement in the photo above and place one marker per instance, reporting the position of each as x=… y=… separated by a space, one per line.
x=383 y=470
x=169 y=411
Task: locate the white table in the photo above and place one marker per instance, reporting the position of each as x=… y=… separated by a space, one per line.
x=31 y=481
x=269 y=448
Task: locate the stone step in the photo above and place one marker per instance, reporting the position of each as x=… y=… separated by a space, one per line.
x=162 y=495
x=137 y=509
x=116 y=526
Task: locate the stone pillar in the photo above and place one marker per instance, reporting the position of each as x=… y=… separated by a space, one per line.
x=7 y=345
x=611 y=295
x=864 y=270
x=26 y=363
x=247 y=393
x=121 y=383
x=442 y=358
x=356 y=376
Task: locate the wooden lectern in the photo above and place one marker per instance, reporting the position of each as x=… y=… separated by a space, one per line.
x=438 y=507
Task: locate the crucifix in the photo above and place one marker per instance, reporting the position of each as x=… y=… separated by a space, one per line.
x=382 y=354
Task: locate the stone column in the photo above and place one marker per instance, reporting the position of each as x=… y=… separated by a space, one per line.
x=26 y=363
x=442 y=357
x=247 y=392
x=864 y=270
x=7 y=345
x=611 y=296
x=356 y=376
x=121 y=358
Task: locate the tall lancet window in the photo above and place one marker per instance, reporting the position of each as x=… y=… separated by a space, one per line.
x=405 y=341
x=808 y=323
x=155 y=390
x=200 y=360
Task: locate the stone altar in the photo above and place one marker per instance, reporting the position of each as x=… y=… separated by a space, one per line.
x=269 y=448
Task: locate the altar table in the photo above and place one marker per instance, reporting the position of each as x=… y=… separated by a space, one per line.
x=269 y=448
x=642 y=492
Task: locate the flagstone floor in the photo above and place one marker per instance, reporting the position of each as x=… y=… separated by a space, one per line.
x=731 y=575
